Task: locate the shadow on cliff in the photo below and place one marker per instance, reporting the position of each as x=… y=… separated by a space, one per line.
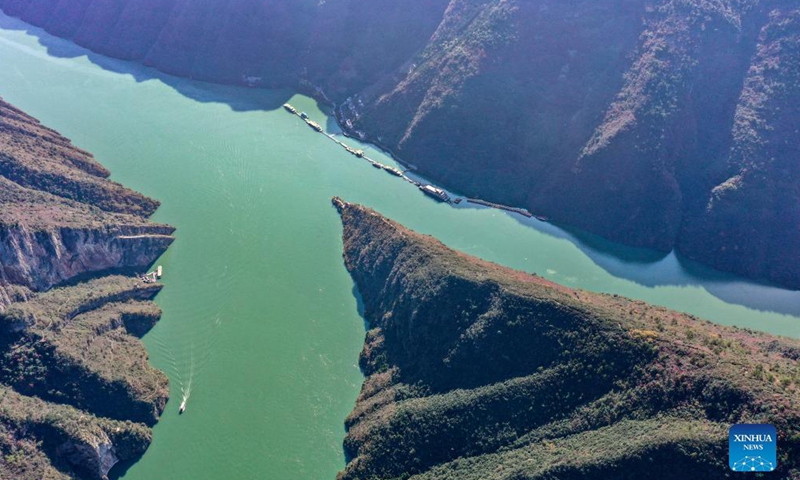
x=257 y=99
x=644 y=267
x=361 y=313
x=652 y=269
x=121 y=468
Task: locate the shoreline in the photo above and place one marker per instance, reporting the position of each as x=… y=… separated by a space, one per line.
x=319 y=95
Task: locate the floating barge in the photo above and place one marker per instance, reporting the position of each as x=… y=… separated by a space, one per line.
x=429 y=190
x=152 y=277
x=351 y=150
x=313 y=124
x=149 y=277
x=436 y=193
x=393 y=171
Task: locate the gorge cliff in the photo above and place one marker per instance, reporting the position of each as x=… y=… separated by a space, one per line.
x=476 y=371
x=77 y=394
x=668 y=124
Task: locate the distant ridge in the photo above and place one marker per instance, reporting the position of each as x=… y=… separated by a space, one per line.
x=668 y=124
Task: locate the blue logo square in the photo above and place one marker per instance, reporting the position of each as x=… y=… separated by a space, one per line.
x=752 y=448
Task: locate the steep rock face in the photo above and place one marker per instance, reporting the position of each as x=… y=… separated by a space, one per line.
x=76 y=391
x=42 y=259
x=617 y=117
x=61 y=216
x=245 y=41
x=43 y=440
x=640 y=120
x=752 y=218
x=475 y=371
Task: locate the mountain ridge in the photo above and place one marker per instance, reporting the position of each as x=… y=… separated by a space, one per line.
x=77 y=394
x=474 y=370
x=665 y=124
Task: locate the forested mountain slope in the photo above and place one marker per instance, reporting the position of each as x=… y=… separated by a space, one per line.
x=658 y=123
x=76 y=392
x=477 y=371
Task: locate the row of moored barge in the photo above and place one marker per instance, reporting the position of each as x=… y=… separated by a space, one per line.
x=429 y=190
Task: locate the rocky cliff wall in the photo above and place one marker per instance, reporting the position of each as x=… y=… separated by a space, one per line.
x=41 y=259
x=76 y=391
x=631 y=119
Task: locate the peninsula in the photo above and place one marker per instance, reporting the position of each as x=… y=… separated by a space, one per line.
x=475 y=371
x=77 y=394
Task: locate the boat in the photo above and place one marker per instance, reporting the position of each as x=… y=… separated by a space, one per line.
x=289 y=108
x=393 y=171
x=314 y=125
x=434 y=192
x=303 y=115
x=159 y=271
x=183 y=406
x=542 y=218
x=377 y=165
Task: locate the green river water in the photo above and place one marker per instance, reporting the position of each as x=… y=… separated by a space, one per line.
x=260 y=319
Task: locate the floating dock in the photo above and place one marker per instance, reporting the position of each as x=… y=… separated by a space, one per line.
x=430 y=190
x=394 y=171
x=358 y=153
x=149 y=277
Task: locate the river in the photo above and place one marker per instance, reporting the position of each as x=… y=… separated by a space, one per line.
x=260 y=319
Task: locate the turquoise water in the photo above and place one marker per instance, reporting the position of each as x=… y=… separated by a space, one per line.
x=260 y=321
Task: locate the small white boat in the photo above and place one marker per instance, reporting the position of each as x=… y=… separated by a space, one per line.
x=183 y=407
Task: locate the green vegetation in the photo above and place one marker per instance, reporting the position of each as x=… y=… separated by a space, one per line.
x=667 y=124
x=78 y=348
x=37 y=157
x=50 y=310
x=478 y=371
x=61 y=217
x=76 y=391
x=40 y=440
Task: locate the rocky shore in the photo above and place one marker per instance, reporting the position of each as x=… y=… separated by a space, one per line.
x=76 y=392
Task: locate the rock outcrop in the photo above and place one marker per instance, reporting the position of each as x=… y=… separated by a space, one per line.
x=44 y=440
x=76 y=392
x=668 y=124
x=476 y=371
x=61 y=217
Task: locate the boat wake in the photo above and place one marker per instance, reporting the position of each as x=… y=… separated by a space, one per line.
x=186 y=390
x=187 y=366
